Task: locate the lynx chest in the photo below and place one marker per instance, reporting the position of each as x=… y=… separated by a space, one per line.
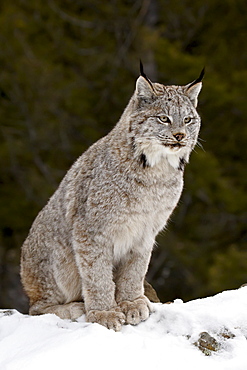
x=145 y=214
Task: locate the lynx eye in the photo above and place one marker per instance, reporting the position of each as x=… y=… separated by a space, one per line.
x=187 y=119
x=164 y=119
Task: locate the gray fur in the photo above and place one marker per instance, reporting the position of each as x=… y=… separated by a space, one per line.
x=88 y=250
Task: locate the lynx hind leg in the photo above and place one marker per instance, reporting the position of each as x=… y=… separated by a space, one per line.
x=136 y=311
x=150 y=292
x=70 y=311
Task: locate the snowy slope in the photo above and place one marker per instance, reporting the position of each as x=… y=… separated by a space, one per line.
x=165 y=341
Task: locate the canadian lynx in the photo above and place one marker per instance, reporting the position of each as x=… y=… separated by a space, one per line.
x=89 y=248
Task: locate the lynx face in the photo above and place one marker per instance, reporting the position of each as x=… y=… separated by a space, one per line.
x=166 y=123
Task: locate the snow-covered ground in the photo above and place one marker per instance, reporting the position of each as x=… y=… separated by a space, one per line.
x=165 y=341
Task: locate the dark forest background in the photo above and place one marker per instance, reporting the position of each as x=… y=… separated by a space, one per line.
x=67 y=70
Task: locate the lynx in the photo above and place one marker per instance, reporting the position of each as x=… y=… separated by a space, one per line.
x=89 y=248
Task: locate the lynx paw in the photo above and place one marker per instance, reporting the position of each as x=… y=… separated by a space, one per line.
x=136 y=311
x=110 y=319
x=76 y=310
x=69 y=311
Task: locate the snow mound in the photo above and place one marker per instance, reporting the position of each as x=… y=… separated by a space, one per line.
x=166 y=340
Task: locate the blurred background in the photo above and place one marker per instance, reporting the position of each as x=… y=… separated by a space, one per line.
x=67 y=71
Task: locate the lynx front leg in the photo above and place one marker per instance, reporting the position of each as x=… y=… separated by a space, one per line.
x=130 y=287
x=94 y=262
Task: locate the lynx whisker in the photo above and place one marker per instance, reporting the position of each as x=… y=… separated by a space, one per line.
x=200 y=145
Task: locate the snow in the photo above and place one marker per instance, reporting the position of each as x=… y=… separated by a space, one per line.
x=166 y=340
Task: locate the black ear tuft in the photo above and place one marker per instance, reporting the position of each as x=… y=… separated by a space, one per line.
x=142 y=73
x=199 y=79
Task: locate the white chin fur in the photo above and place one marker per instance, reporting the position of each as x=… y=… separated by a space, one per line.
x=173 y=156
x=155 y=153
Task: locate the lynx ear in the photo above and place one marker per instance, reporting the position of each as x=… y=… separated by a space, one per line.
x=193 y=89
x=144 y=88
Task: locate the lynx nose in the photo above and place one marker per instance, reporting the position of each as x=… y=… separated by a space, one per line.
x=179 y=136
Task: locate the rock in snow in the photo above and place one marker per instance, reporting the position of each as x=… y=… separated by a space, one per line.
x=176 y=336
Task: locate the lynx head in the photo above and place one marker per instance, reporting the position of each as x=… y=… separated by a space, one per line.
x=164 y=122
